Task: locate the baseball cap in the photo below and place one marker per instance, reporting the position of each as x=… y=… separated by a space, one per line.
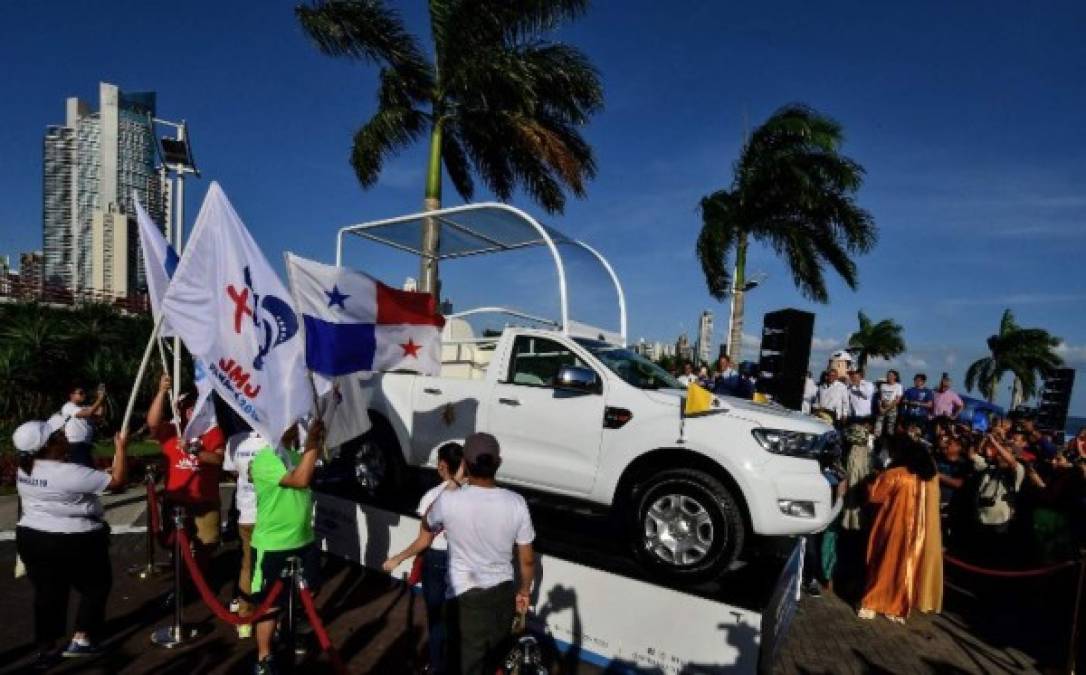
x=480 y=444
x=32 y=436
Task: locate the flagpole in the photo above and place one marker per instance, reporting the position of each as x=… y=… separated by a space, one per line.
x=173 y=399
x=139 y=374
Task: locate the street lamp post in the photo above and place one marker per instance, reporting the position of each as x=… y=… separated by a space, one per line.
x=176 y=156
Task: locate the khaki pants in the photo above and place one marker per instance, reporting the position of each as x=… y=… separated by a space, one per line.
x=245 y=575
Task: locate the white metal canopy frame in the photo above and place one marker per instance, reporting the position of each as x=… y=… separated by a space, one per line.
x=477 y=229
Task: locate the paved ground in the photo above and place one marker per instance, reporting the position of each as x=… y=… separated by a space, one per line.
x=989 y=627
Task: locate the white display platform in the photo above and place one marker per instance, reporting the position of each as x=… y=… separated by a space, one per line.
x=606 y=619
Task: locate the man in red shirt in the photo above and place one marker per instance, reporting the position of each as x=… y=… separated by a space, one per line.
x=193 y=468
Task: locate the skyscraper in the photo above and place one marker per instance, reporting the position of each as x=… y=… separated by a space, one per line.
x=92 y=164
x=705 y=336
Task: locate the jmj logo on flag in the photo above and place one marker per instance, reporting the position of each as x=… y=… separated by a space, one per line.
x=354 y=323
x=230 y=308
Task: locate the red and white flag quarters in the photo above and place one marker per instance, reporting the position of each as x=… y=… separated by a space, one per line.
x=354 y=323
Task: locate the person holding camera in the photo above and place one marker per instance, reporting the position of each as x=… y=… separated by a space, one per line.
x=62 y=538
x=483 y=523
x=77 y=423
x=193 y=468
x=999 y=477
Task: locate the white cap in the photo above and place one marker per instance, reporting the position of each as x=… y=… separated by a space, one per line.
x=842 y=355
x=32 y=436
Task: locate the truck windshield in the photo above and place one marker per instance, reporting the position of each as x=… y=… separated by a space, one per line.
x=630 y=366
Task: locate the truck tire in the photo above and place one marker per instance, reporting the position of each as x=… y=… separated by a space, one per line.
x=377 y=463
x=685 y=525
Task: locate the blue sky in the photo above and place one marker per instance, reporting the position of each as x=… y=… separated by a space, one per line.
x=967 y=117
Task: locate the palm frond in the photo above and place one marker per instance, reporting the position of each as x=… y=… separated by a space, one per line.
x=716 y=241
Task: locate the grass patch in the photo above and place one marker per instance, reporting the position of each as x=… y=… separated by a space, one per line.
x=143 y=448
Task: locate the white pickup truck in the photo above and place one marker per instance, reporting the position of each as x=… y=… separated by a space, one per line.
x=581 y=417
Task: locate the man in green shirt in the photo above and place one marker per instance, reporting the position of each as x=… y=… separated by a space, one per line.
x=284 y=523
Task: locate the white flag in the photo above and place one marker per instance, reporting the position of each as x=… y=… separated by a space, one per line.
x=233 y=312
x=159 y=262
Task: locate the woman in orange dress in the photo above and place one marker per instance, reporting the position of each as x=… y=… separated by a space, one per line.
x=896 y=545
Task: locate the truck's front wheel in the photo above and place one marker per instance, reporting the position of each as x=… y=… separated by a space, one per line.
x=377 y=463
x=685 y=525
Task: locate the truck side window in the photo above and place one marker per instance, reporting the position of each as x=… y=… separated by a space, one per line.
x=535 y=361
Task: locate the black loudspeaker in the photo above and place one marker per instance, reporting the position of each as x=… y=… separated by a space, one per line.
x=786 y=349
x=1055 y=399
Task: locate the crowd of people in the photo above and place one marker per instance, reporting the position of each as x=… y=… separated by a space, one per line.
x=469 y=533
x=918 y=482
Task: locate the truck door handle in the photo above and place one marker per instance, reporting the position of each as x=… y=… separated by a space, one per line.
x=431 y=390
x=508 y=401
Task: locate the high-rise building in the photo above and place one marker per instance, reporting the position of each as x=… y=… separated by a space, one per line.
x=31 y=274
x=683 y=350
x=705 y=336
x=92 y=165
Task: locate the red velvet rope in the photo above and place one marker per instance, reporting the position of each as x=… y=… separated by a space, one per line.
x=209 y=598
x=1041 y=571
x=318 y=628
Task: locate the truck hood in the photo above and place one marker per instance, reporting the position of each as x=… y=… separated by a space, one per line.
x=760 y=414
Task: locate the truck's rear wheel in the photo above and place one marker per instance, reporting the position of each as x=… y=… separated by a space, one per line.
x=685 y=524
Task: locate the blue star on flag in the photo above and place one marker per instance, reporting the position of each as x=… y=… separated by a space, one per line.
x=336 y=298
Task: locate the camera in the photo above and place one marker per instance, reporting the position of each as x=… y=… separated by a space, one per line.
x=194 y=447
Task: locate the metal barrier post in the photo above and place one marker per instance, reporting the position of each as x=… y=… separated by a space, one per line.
x=291 y=574
x=1076 y=623
x=176 y=634
x=151 y=568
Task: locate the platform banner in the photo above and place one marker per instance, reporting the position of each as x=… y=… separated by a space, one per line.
x=778 y=614
x=579 y=612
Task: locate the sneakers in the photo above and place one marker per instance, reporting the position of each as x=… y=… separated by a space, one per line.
x=235 y=605
x=265 y=666
x=245 y=631
x=76 y=649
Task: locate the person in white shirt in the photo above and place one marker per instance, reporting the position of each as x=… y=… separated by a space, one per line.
x=889 y=398
x=435 y=554
x=810 y=394
x=240 y=449
x=77 y=423
x=833 y=397
x=62 y=538
x=861 y=395
x=688 y=375
x=483 y=523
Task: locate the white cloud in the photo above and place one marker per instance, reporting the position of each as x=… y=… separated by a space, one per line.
x=950 y=359
x=1071 y=353
x=826 y=343
x=751 y=341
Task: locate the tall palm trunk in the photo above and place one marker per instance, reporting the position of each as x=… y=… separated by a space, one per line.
x=1017 y=394
x=735 y=338
x=431 y=228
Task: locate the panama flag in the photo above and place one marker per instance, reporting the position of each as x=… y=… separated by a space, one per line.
x=226 y=302
x=354 y=323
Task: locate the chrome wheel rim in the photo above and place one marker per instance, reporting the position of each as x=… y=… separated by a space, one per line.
x=678 y=530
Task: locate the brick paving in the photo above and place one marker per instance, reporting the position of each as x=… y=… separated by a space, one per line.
x=379 y=627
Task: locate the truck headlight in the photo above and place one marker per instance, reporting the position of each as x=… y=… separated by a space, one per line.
x=791 y=443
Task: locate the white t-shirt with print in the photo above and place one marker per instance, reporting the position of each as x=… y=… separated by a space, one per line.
x=61 y=497
x=240 y=449
x=77 y=429
x=888 y=393
x=481 y=525
x=428 y=499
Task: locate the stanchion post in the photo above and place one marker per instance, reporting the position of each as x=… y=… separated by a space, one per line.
x=151 y=568
x=291 y=582
x=1076 y=621
x=177 y=634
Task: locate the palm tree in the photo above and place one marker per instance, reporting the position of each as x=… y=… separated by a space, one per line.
x=794 y=192
x=497 y=99
x=1023 y=352
x=882 y=339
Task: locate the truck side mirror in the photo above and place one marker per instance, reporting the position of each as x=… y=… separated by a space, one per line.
x=575 y=378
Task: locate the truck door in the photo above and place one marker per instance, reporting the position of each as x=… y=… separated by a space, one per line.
x=549 y=437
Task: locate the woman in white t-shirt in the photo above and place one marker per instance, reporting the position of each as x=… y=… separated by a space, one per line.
x=62 y=522
x=435 y=554
x=240 y=449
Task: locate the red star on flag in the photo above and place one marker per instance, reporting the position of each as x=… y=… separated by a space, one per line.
x=410 y=348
